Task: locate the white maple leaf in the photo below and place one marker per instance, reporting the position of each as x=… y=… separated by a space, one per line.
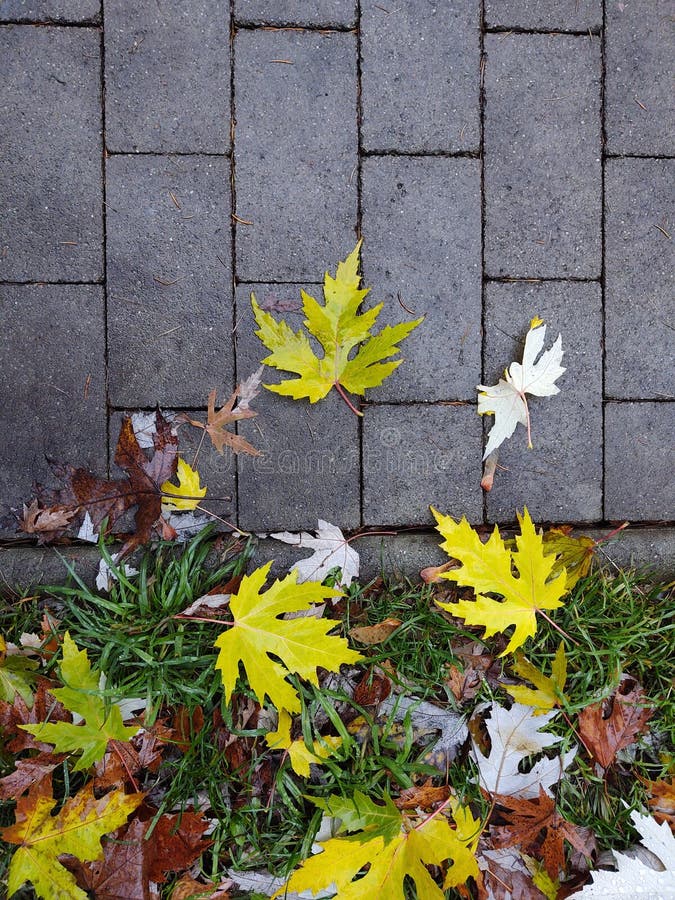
x=514 y=735
x=635 y=878
x=330 y=550
x=507 y=399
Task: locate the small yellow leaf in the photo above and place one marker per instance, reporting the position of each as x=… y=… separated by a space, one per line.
x=549 y=691
x=298 y=752
x=188 y=488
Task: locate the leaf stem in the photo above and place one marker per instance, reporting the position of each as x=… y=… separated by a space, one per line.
x=342 y=393
x=557 y=627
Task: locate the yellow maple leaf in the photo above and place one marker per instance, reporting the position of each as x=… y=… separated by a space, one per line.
x=574 y=554
x=187 y=490
x=301 y=644
x=339 y=328
x=76 y=830
x=488 y=569
x=549 y=691
x=298 y=752
x=430 y=842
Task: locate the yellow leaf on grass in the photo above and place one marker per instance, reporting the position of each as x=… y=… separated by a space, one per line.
x=301 y=644
x=338 y=328
x=407 y=848
x=81 y=695
x=548 y=691
x=574 y=554
x=188 y=488
x=488 y=569
x=76 y=830
x=298 y=752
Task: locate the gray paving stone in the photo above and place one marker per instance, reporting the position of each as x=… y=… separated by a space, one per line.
x=216 y=472
x=421 y=229
x=167 y=68
x=640 y=42
x=52 y=360
x=549 y=15
x=560 y=480
x=50 y=121
x=296 y=153
x=169 y=279
x=639 y=461
x=416 y=455
x=295 y=12
x=50 y=10
x=311 y=463
x=639 y=299
x=407 y=46
x=542 y=156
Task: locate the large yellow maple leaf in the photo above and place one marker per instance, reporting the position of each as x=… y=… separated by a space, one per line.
x=301 y=644
x=339 y=329
x=393 y=846
x=489 y=569
x=76 y=830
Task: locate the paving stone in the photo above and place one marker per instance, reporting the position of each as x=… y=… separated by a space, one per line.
x=295 y=12
x=560 y=480
x=639 y=300
x=639 y=108
x=421 y=229
x=416 y=455
x=405 y=47
x=296 y=153
x=50 y=10
x=639 y=461
x=217 y=473
x=542 y=156
x=311 y=463
x=50 y=121
x=52 y=360
x=167 y=68
x=548 y=15
x=169 y=279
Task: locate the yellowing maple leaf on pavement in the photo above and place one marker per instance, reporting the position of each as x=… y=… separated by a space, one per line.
x=392 y=844
x=81 y=695
x=76 y=830
x=507 y=400
x=548 y=691
x=301 y=644
x=339 y=329
x=488 y=569
x=298 y=752
x=186 y=492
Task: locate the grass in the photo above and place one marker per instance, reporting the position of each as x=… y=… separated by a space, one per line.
x=263 y=812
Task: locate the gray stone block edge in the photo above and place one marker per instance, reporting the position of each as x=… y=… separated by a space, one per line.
x=649 y=549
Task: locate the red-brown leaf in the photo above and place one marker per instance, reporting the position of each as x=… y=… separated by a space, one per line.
x=28 y=772
x=537 y=827
x=608 y=727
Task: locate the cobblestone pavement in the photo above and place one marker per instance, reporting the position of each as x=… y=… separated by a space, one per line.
x=501 y=159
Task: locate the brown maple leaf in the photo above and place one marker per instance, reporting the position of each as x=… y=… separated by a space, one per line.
x=45 y=708
x=613 y=724
x=28 y=771
x=537 y=827
x=218 y=420
x=103 y=498
x=373 y=688
x=131 y=861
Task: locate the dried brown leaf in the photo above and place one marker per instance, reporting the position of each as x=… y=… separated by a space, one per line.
x=424 y=795
x=375 y=634
x=616 y=722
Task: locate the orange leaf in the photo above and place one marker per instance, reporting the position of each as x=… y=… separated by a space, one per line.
x=613 y=724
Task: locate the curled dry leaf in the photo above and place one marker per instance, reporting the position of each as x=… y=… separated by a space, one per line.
x=425 y=796
x=433 y=574
x=375 y=634
x=616 y=722
x=218 y=420
x=46 y=523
